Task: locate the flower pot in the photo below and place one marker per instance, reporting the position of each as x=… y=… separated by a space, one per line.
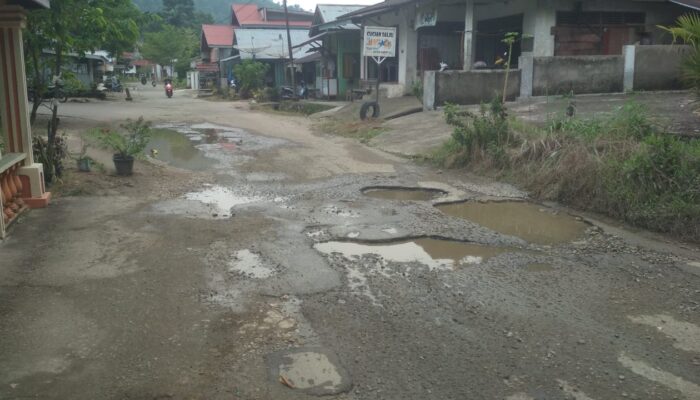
x=83 y=164
x=123 y=164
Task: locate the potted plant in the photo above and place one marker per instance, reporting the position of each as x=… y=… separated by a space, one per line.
x=82 y=160
x=128 y=146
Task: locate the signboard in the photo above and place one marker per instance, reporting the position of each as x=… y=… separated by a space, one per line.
x=426 y=17
x=379 y=41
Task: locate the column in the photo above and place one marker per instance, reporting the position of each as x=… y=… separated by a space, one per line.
x=538 y=23
x=14 y=111
x=629 y=51
x=408 y=51
x=469 y=35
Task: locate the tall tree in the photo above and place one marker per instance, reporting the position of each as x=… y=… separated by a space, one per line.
x=74 y=26
x=178 y=12
x=171 y=43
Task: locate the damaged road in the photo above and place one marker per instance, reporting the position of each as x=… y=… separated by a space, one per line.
x=256 y=260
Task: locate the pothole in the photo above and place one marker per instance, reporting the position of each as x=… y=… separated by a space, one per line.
x=202 y=146
x=402 y=193
x=177 y=150
x=250 y=264
x=433 y=253
x=315 y=371
x=531 y=222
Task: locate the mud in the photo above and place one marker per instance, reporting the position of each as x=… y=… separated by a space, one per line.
x=533 y=223
x=399 y=193
x=138 y=291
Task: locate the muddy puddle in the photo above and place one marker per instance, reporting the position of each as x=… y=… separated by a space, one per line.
x=177 y=150
x=202 y=146
x=530 y=222
x=433 y=253
x=400 y=193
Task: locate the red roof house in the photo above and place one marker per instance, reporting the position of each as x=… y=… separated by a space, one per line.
x=252 y=16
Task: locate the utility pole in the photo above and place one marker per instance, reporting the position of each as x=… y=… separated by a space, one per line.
x=291 y=57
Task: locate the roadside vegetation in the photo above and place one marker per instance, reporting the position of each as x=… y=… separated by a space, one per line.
x=620 y=164
x=364 y=131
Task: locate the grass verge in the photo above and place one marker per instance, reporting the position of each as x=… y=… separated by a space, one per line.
x=620 y=165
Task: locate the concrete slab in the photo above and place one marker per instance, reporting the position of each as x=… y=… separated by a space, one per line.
x=311 y=370
x=414 y=135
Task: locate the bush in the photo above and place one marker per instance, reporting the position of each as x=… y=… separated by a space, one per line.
x=250 y=76
x=658 y=185
x=132 y=144
x=265 y=94
x=687 y=29
x=476 y=135
x=417 y=89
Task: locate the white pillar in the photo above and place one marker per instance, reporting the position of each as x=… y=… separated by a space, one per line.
x=629 y=53
x=538 y=23
x=469 y=35
x=408 y=48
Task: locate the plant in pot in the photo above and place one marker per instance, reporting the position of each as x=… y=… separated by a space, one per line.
x=126 y=147
x=82 y=160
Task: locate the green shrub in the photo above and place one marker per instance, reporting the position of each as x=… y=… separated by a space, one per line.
x=487 y=132
x=132 y=144
x=687 y=29
x=250 y=75
x=417 y=89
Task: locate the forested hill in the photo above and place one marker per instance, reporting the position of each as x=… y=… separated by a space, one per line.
x=215 y=8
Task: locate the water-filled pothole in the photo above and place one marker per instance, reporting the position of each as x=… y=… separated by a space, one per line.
x=177 y=150
x=528 y=221
x=433 y=253
x=402 y=193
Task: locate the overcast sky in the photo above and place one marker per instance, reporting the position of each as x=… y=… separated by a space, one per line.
x=311 y=4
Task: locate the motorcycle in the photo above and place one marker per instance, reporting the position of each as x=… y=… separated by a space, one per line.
x=287 y=93
x=168 y=88
x=153 y=82
x=143 y=80
x=52 y=92
x=113 y=85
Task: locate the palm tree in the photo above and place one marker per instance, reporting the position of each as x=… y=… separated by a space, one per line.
x=687 y=29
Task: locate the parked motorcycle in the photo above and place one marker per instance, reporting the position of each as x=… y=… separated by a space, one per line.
x=287 y=93
x=153 y=82
x=52 y=92
x=143 y=80
x=113 y=85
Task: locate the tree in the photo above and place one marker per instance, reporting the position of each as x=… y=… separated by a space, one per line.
x=687 y=29
x=76 y=26
x=171 y=43
x=250 y=75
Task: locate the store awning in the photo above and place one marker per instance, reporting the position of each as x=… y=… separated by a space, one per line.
x=311 y=40
x=316 y=56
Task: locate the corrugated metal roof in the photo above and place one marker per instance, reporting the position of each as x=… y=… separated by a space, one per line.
x=268 y=44
x=331 y=12
x=218 y=35
x=250 y=15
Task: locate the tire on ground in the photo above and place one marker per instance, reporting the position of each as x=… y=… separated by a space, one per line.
x=365 y=108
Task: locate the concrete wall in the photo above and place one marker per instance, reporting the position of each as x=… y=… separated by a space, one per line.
x=582 y=74
x=468 y=87
x=658 y=67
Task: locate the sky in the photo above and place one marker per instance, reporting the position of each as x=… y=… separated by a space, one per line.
x=310 y=5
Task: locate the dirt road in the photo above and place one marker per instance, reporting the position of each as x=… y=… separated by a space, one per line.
x=253 y=259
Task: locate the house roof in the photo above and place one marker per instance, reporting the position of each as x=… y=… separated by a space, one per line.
x=326 y=17
x=268 y=44
x=218 y=35
x=379 y=8
x=694 y=4
x=251 y=15
x=31 y=4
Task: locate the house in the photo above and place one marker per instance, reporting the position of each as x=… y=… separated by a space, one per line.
x=21 y=179
x=269 y=45
x=253 y=16
x=466 y=34
x=254 y=32
x=332 y=66
x=216 y=45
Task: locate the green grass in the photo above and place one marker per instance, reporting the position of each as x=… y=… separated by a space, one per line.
x=620 y=164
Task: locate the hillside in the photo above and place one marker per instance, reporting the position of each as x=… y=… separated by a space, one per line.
x=219 y=9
